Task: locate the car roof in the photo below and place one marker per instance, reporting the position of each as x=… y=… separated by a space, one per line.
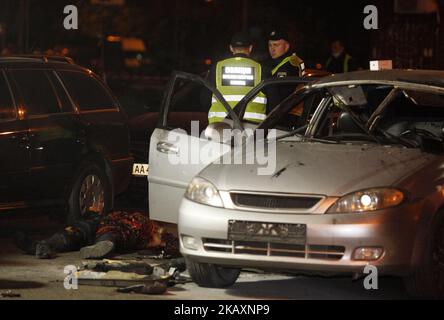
x=425 y=77
x=40 y=61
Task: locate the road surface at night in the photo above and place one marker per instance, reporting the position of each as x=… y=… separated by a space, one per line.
x=43 y=279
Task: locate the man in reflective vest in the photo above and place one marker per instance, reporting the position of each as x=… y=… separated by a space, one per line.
x=339 y=60
x=283 y=63
x=234 y=78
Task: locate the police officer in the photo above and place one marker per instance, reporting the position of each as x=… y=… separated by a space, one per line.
x=234 y=78
x=282 y=63
x=339 y=61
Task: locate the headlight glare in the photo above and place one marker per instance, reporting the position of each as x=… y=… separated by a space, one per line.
x=368 y=200
x=202 y=191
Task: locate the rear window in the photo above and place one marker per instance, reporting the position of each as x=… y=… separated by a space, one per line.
x=36 y=91
x=7 y=110
x=86 y=91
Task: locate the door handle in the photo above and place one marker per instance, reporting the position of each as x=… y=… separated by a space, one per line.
x=166 y=147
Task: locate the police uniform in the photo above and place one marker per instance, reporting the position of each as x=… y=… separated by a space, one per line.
x=288 y=65
x=234 y=78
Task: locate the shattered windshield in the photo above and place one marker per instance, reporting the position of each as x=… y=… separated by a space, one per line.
x=381 y=114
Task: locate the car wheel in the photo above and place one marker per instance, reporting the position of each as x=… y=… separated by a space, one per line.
x=428 y=279
x=210 y=275
x=90 y=193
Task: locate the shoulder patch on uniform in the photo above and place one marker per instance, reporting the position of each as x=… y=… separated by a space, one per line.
x=295 y=60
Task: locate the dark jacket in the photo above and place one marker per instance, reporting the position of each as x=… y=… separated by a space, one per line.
x=276 y=94
x=343 y=63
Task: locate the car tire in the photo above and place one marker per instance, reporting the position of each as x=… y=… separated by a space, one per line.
x=428 y=279
x=210 y=275
x=90 y=192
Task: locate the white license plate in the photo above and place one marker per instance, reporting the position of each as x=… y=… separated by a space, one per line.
x=140 y=169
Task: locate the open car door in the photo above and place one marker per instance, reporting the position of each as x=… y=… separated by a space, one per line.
x=177 y=154
x=176 y=145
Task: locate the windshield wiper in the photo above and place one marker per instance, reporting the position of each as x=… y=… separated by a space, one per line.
x=313 y=139
x=296 y=132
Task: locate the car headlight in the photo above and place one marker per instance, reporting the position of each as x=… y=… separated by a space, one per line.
x=368 y=200
x=202 y=191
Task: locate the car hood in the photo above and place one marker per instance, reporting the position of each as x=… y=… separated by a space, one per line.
x=323 y=169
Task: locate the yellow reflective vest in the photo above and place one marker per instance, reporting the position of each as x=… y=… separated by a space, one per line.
x=235 y=77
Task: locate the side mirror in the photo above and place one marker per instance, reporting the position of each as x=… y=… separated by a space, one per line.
x=219 y=132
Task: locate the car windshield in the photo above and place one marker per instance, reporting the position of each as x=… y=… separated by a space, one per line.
x=381 y=114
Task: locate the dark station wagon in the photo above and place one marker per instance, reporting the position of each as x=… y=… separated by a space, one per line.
x=64 y=139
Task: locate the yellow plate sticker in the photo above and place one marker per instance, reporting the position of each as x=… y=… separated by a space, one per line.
x=140 y=169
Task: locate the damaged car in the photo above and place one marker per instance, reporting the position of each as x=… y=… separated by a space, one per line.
x=183 y=143
x=361 y=184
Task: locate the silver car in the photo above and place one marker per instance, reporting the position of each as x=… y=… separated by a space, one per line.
x=359 y=181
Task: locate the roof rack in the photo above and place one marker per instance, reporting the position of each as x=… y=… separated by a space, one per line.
x=43 y=58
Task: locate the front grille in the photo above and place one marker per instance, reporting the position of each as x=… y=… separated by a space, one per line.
x=273 y=202
x=321 y=252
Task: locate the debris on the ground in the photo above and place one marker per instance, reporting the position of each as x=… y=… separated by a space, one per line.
x=10 y=294
x=155 y=254
x=178 y=263
x=155 y=288
x=133 y=275
x=123 y=266
x=116 y=279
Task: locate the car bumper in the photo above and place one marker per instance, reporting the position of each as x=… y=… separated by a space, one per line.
x=392 y=230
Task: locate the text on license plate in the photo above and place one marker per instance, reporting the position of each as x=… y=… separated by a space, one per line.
x=267 y=232
x=140 y=169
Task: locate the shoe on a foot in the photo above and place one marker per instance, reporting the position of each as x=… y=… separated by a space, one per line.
x=44 y=251
x=97 y=251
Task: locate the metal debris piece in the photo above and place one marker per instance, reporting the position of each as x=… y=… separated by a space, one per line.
x=137 y=267
x=10 y=294
x=116 y=278
x=155 y=288
x=133 y=275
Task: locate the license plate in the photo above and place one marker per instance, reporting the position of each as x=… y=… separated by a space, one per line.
x=267 y=232
x=140 y=169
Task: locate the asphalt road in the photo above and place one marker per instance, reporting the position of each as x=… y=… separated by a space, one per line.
x=43 y=279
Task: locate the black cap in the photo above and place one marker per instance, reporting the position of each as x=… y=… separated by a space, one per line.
x=241 y=39
x=277 y=34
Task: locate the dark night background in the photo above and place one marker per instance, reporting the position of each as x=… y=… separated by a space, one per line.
x=182 y=34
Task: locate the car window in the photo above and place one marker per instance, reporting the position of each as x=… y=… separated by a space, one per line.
x=300 y=114
x=7 y=110
x=413 y=112
x=36 y=91
x=87 y=92
x=64 y=101
x=404 y=118
x=190 y=96
x=190 y=101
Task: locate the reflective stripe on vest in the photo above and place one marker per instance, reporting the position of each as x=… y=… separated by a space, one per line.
x=247 y=115
x=237 y=98
x=235 y=77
